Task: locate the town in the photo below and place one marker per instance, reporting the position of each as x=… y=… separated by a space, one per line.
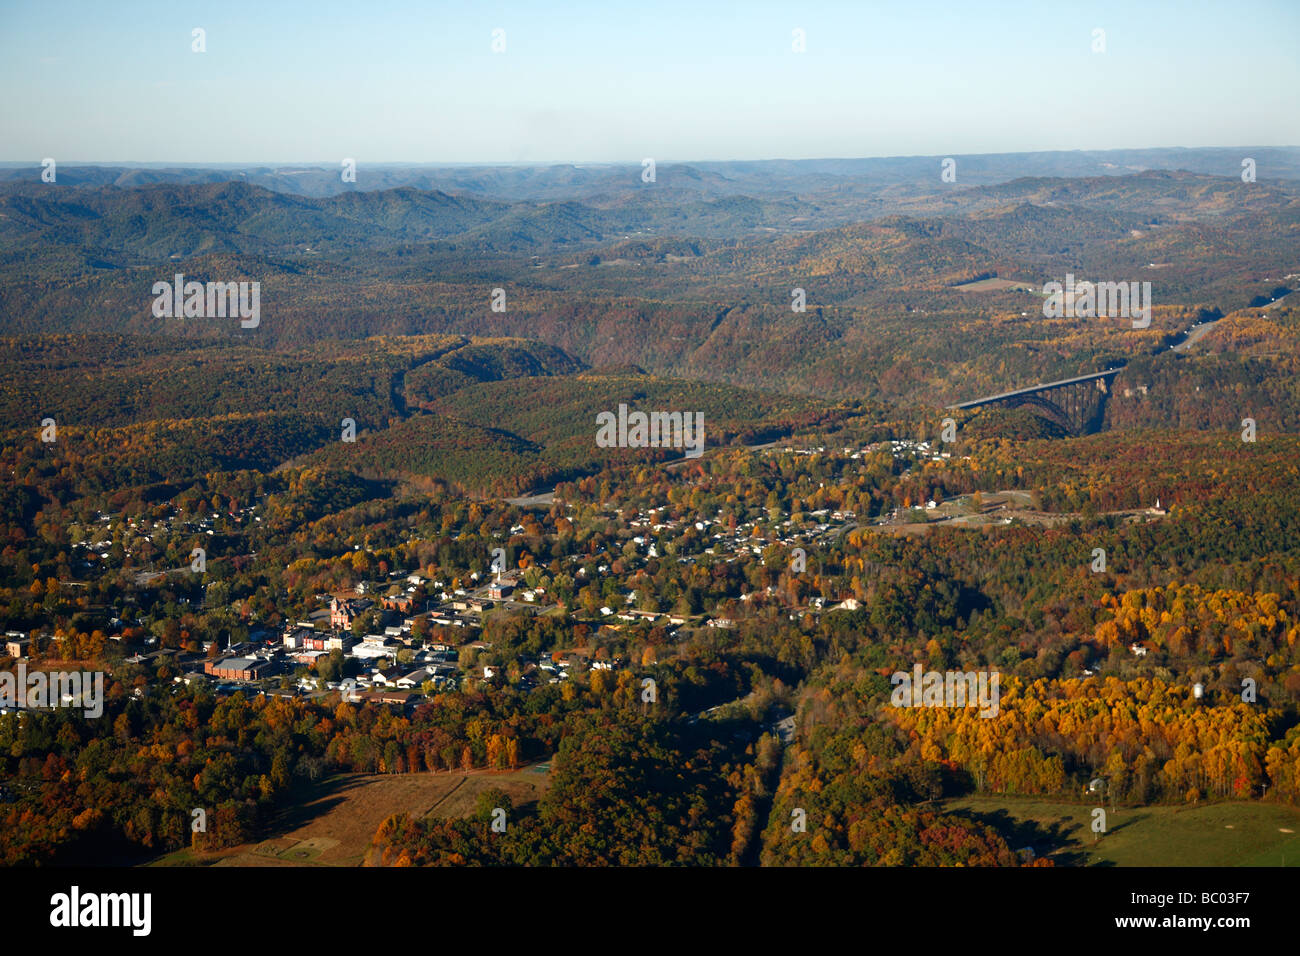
x=400 y=639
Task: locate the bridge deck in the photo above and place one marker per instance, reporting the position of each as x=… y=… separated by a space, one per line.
x=1045 y=387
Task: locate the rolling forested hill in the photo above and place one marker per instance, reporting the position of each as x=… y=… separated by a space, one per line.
x=464 y=306
x=422 y=389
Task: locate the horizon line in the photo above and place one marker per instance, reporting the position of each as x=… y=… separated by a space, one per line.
x=332 y=163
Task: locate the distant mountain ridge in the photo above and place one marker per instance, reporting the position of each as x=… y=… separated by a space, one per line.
x=682 y=282
x=548 y=182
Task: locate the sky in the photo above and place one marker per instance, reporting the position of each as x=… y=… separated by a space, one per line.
x=614 y=81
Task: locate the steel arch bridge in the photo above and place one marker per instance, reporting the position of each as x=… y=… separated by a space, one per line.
x=1076 y=404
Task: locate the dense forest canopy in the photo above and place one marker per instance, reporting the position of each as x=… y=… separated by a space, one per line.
x=703 y=665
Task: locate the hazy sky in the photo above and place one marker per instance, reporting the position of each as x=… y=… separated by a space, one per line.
x=116 y=80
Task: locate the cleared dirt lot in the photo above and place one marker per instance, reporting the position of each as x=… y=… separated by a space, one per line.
x=997 y=508
x=993 y=285
x=333 y=823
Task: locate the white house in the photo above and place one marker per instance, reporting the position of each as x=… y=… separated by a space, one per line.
x=375 y=645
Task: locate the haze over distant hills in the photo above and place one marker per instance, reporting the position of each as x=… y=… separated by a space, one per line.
x=539 y=182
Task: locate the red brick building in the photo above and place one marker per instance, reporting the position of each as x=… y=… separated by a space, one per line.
x=343 y=613
x=237 y=668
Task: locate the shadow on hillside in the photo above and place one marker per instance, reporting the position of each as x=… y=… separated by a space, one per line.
x=309 y=800
x=1064 y=838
